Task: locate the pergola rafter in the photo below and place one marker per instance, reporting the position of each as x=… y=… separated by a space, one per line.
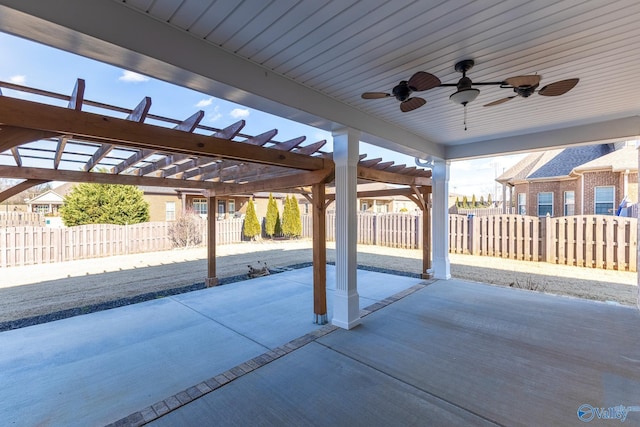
x=68 y=144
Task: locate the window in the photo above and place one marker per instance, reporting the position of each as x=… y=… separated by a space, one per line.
x=200 y=206
x=170 y=211
x=604 y=200
x=364 y=206
x=41 y=209
x=545 y=204
x=569 y=203
x=522 y=203
x=231 y=204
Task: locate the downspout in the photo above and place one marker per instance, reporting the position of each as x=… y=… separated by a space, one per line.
x=581 y=194
x=625 y=184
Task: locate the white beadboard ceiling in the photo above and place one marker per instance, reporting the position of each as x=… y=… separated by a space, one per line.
x=310 y=60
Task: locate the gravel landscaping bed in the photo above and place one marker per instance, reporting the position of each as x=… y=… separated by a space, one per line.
x=41 y=293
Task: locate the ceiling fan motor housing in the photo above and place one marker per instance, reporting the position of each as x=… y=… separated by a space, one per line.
x=525 y=91
x=402 y=91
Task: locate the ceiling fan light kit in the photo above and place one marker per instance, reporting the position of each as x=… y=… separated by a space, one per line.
x=464 y=96
x=522 y=86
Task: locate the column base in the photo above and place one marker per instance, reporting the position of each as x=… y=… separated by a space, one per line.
x=441 y=268
x=210 y=282
x=346 y=325
x=346 y=310
x=320 y=319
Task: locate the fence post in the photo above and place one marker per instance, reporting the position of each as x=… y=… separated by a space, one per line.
x=547 y=236
x=474 y=238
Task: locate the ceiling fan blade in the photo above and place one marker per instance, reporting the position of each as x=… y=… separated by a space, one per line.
x=423 y=81
x=411 y=104
x=499 y=101
x=375 y=95
x=519 y=81
x=558 y=88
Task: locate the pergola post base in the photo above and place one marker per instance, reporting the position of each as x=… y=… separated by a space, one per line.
x=320 y=319
x=210 y=282
x=427 y=275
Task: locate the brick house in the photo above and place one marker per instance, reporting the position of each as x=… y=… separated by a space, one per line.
x=583 y=180
x=168 y=204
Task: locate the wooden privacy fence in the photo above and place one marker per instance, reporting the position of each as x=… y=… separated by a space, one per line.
x=595 y=241
x=587 y=241
x=17 y=219
x=396 y=230
x=37 y=245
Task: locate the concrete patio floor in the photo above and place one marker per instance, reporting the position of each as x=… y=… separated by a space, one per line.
x=95 y=369
x=450 y=353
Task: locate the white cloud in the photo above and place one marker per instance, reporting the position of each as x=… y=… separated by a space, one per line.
x=131 y=77
x=18 y=79
x=204 y=102
x=239 y=113
x=214 y=115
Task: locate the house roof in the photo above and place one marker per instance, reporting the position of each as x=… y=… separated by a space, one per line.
x=617 y=161
x=525 y=167
x=49 y=196
x=564 y=162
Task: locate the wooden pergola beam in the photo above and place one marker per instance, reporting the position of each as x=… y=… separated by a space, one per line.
x=139 y=114
x=11 y=137
x=31 y=115
x=16 y=156
x=391 y=177
x=101 y=178
x=19 y=188
x=132 y=160
x=404 y=191
x=75 y=103
x=279 y=183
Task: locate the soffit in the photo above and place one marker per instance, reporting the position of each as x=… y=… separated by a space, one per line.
x=264 y=53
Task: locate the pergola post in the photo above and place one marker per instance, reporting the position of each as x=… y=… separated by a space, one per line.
x=346 y=306
x=319 y=255
x=212 y=203
x=427 y=272
x=441 y=267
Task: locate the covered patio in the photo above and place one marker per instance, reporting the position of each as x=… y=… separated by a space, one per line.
x=451 y=352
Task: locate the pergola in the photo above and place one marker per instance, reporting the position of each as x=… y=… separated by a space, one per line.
x=310 y=61
x=54 y=143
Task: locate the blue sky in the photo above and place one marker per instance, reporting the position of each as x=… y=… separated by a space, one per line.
x=38 y=66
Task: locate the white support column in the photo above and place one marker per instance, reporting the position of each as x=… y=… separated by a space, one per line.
x=637 y=235
x=440 y=220
x=346 y=307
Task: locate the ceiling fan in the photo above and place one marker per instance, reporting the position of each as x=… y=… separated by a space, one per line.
x=523 y=86
x=420 y=81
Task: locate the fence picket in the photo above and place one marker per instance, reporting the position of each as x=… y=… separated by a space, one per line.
x=591 y=241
